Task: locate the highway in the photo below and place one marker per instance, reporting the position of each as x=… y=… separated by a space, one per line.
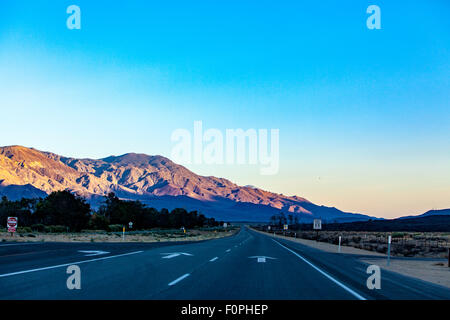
x=247 y=266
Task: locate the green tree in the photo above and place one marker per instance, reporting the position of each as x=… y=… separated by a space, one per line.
x=63 y=208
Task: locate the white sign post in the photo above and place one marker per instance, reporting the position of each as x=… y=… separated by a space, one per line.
x=12 y=225
x=389 y=250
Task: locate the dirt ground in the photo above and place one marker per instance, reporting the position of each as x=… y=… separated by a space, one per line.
x=193 y=235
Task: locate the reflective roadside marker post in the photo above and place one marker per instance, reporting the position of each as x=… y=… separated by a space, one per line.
x=123 y=233
x=389 y=250
x=339 y=248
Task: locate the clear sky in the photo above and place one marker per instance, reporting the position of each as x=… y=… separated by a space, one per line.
x=364 y=115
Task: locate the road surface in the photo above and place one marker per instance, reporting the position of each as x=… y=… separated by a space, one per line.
x=248 y=265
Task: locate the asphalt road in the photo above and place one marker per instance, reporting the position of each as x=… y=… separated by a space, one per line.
x=246 y=266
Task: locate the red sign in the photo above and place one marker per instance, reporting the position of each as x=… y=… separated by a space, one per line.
x=12 y=224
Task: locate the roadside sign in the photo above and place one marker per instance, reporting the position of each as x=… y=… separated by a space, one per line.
x=317 y=224
x=225 y=224
x=130 y=225
x=286 y=227
x=12 y=224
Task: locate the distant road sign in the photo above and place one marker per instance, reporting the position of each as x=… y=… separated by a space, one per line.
x=130 y=225
x=12 y=224
x=286 y=227
x=317 y=224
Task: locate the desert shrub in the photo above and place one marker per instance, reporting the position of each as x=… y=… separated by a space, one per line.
x=24 y=230
x=98 y=222
x=115 y=227
x=38 y=227
x=55 y=229
x=398 y=234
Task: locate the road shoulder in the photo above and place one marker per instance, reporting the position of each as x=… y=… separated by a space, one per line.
x=430 y=270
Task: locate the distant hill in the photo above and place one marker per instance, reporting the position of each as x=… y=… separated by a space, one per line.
x=154 y=180
x=443 y=212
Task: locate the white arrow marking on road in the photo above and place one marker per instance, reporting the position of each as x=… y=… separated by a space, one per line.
x=171 y=255
x=262 y=258
x=91 y=253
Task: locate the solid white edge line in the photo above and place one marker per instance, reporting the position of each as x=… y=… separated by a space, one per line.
x=67 y=264
x=179 y=279
x=325 y=274
x=213 y=259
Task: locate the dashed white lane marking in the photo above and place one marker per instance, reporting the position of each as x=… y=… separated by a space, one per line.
x=214 y=259
x=67 y=264
x=171 y=255
x=325 y=274
x=179 y=279
x=228 y=250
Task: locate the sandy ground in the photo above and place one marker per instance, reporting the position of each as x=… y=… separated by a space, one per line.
x=431 y=270
x=193 y=235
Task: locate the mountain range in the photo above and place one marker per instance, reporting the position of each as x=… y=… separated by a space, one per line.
x=153 y=180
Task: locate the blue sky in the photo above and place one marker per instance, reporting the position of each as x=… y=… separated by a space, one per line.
x=364 y=115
